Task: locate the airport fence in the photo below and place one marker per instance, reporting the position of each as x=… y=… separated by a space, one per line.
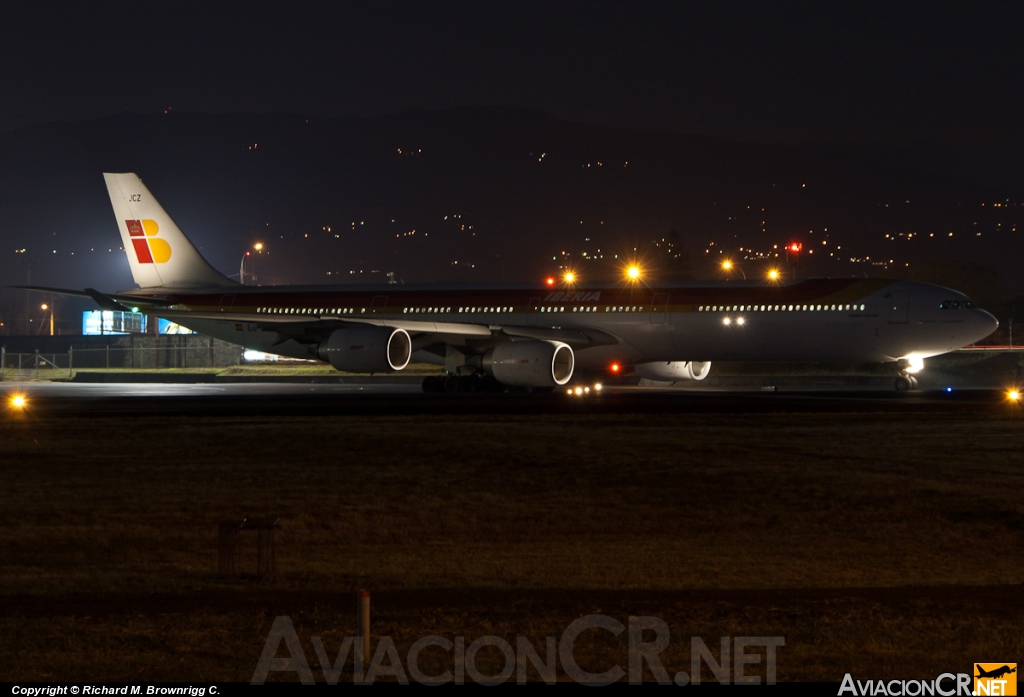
x=50 y=365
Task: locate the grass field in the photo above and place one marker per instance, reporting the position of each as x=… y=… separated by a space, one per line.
x=883 y=543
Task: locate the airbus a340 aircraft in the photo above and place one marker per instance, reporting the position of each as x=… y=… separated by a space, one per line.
x=531 y=335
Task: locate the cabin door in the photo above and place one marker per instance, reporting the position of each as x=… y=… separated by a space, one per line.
x=659 y=308
x=899 y=304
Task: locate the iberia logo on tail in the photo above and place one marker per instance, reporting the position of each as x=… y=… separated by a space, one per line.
x=149 y=249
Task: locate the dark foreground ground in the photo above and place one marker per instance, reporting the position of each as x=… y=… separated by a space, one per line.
x=880 y=535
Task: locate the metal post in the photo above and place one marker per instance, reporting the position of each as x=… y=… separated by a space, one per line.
x=363 y=631
x=35 y=372
x=108 y=356
x=71 y=361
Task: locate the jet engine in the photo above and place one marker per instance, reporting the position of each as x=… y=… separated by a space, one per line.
x=367 y=349
x=530 y=363
x=674 y=371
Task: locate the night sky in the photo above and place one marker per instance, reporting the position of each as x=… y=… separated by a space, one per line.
x=747 y=71
x=809 y=88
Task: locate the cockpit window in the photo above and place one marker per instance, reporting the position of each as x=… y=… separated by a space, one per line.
x=956 y=304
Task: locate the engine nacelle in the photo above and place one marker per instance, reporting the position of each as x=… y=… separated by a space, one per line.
x=367 y=349
x=530 y=363
x=674 y=371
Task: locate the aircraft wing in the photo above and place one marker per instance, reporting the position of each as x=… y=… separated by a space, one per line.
x=121 y=302
x=576 y=337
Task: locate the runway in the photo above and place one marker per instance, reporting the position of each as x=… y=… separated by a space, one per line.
x=368 y=399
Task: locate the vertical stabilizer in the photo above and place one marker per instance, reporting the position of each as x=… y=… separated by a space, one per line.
x=158 y=252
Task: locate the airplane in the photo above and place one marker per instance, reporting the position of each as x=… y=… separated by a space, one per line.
x=995 y=673
x=536 y=336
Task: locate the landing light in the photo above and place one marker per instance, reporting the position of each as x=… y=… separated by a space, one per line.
x=569 y=277
x=583 y=390
x=914 y=363
x=18 y=401
x=741 y=321
x=773 y=274
x=633 y=273
x=726 y=321
x=1013 y=396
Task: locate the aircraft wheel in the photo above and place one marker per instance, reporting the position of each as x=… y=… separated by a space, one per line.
x=913 y=382
x=489 y=384
x=902 y=383
x=433 y=383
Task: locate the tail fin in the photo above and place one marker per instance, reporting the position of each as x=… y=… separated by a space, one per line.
x=158 y=252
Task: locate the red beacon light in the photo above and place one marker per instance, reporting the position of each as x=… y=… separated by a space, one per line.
x=795 y=247
x=615 y=368
x=550 y=280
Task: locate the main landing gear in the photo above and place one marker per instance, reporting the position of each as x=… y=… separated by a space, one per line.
x=477 y=382
x=461 y=383
x=906 y=382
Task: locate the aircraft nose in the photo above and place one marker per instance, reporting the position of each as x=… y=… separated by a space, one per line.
x=986 y=323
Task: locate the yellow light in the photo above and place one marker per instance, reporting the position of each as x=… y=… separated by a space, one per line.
x=773 y=274
x=579 y=390
x=633 y=273
x=45 y=306
x=18 y=401
x=1013 y=396
x=258 y=246
x=569 y=277
x=597 y=387
x=726 y=265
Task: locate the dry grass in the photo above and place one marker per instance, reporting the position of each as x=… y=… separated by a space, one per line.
x=548 y=515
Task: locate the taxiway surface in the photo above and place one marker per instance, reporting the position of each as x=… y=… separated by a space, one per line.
x=296 y=399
